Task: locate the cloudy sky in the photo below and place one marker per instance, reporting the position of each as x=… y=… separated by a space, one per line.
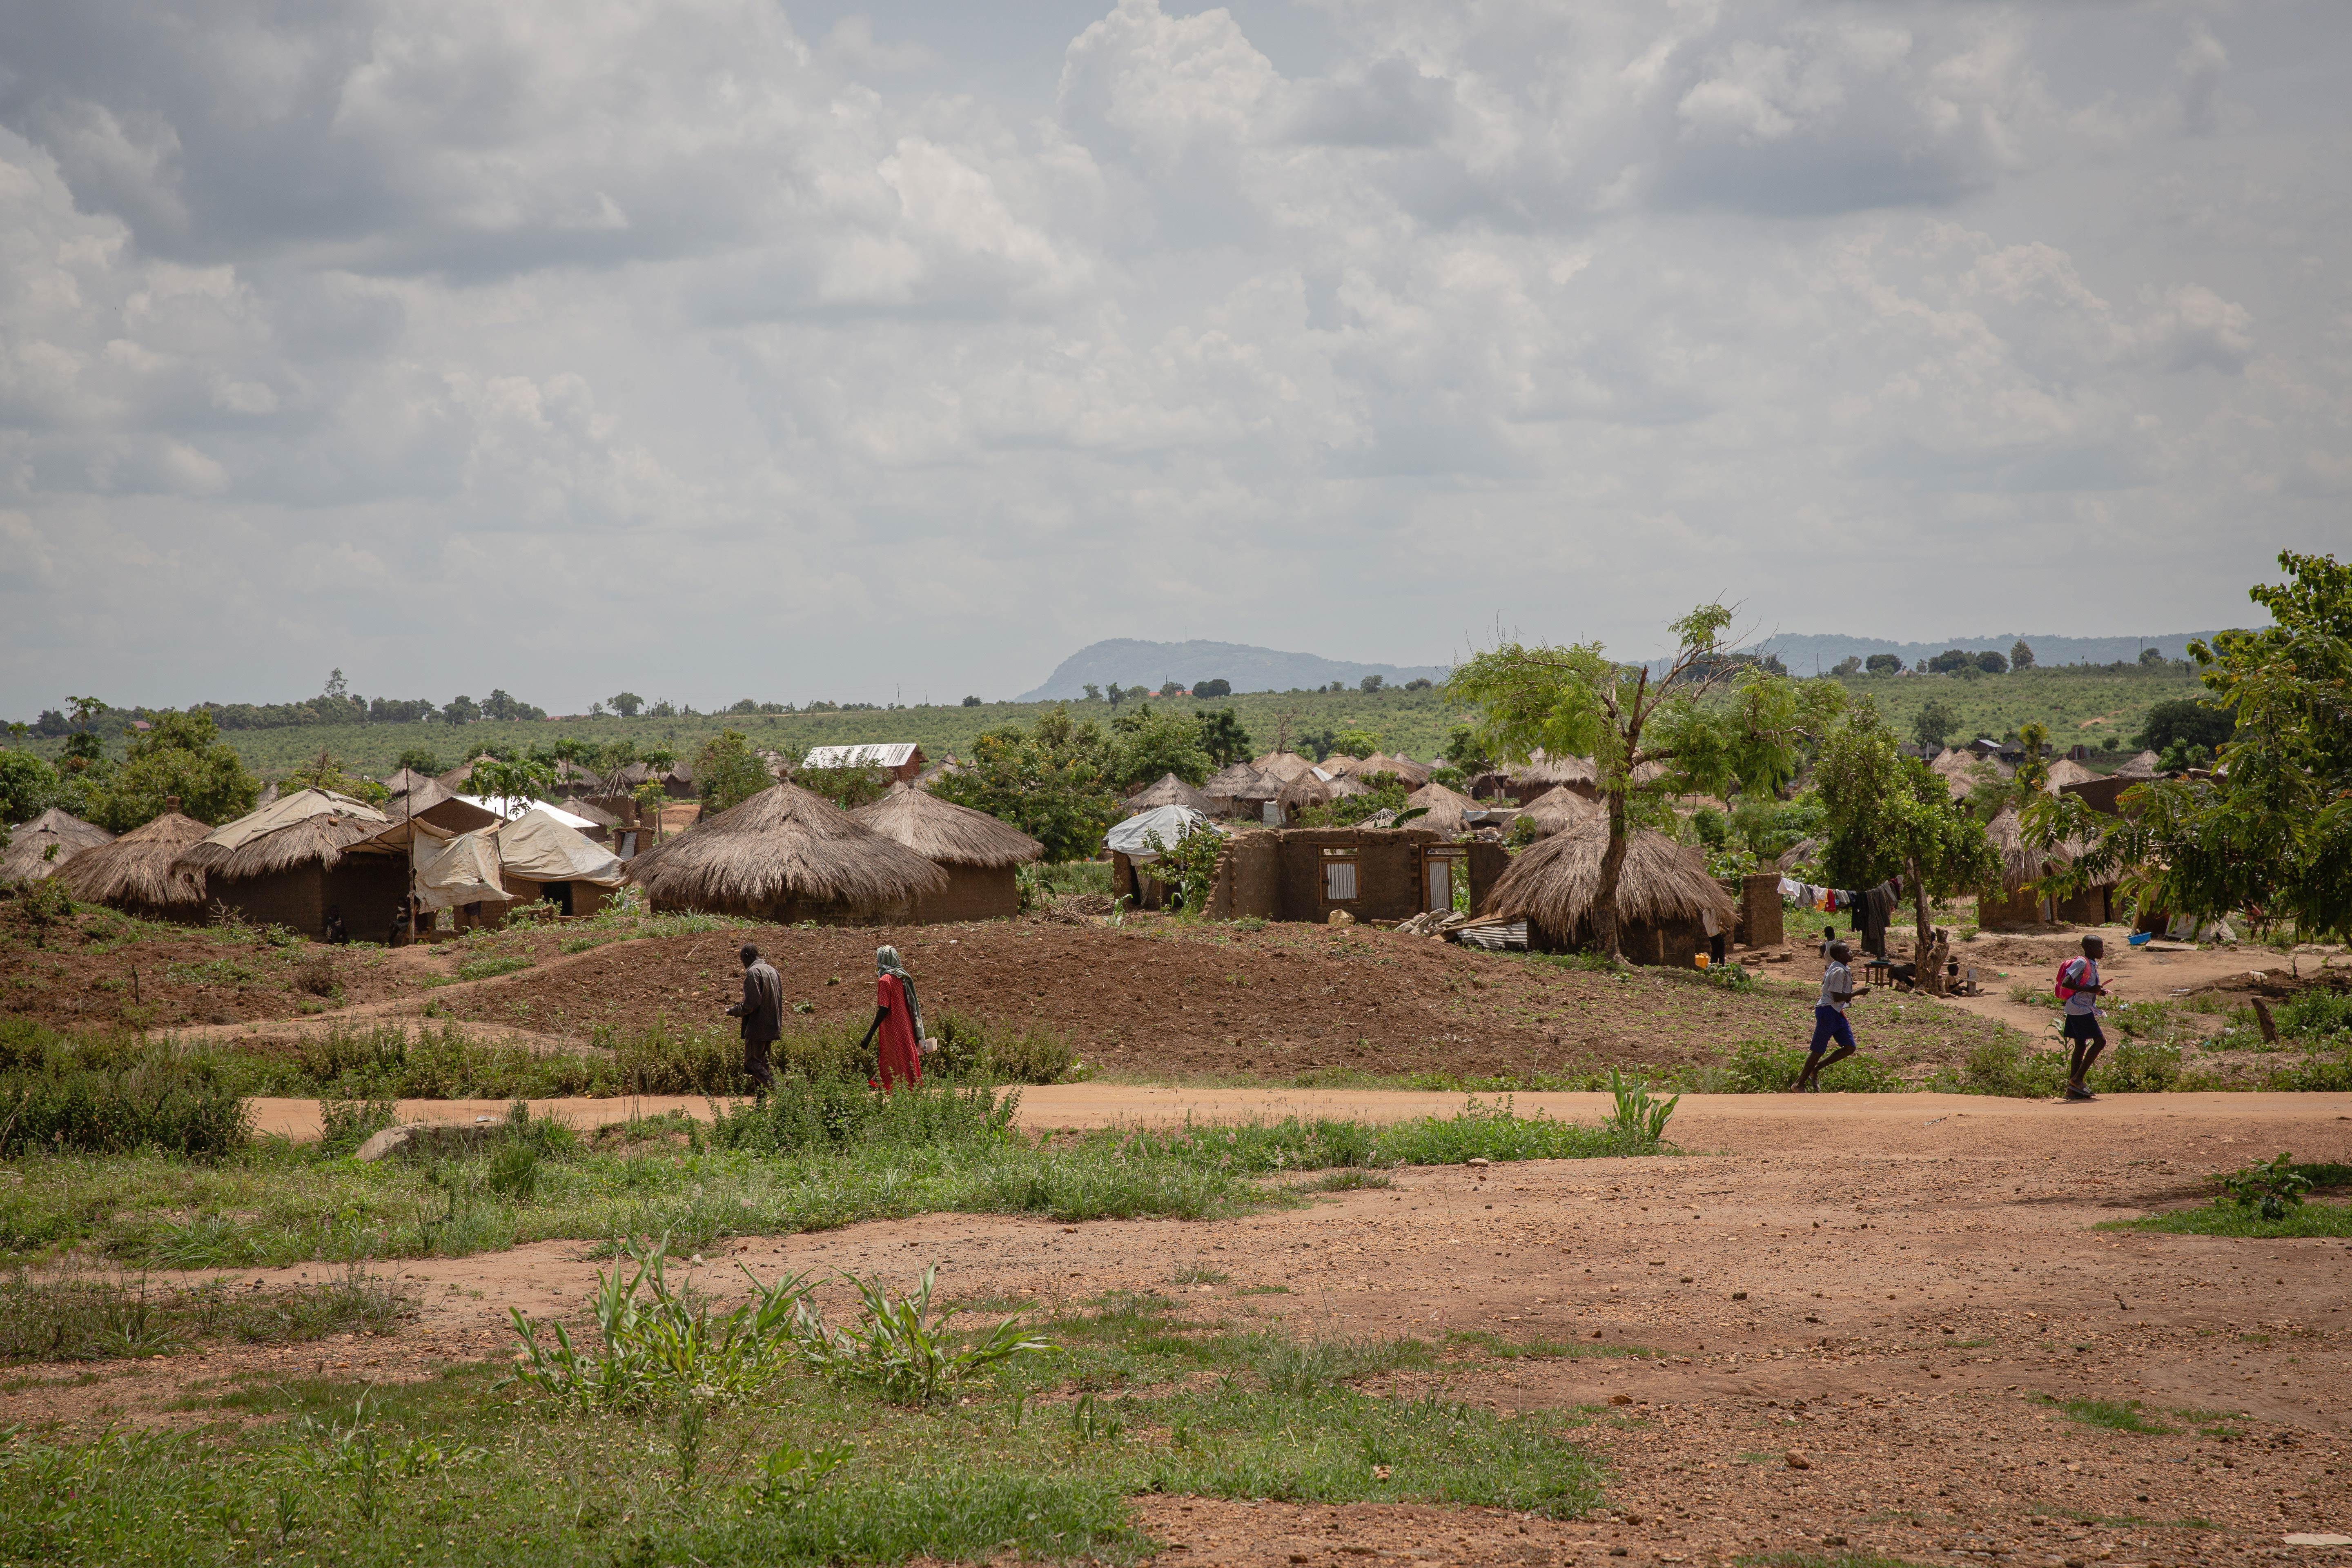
x=717 y=348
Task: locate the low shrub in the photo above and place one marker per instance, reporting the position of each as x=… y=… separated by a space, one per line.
x=79 y=1319
x=972 y=1048
x=111 y=1094
x=1763 y=1067
x=836 y=1111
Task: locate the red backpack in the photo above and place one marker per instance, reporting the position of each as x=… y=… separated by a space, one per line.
x=2067 y=989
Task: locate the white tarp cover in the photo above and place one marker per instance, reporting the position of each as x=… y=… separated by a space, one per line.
x=513 y=810
x=883 y=754
x=1170 y=822
x=287 y=810
x=537 y=847
x=465 y=870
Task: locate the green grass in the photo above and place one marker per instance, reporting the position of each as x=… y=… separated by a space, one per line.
x=488 y=968
x=2227 y=1218
x=2123 y=1416
x=1038 y=1460
x=812 y=1160
x=81 y=1318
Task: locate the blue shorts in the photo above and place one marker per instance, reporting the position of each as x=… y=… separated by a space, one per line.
x=1828 y=1024
x=2084 y=1029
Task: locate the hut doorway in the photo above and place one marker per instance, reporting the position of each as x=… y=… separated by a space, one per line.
x=1442 y=871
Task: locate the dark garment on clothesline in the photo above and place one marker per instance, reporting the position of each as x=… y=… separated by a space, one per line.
x=1877 y=910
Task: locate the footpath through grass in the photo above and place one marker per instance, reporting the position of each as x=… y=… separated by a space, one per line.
x=816 y=1462
x=818 y=1154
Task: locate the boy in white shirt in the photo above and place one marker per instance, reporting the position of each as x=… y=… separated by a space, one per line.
x=2079 y=980
x=1830 y=1021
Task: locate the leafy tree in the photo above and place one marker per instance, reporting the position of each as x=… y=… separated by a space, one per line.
x=1219 y=688
x=2021 y=655
x=848 y=788
x=1992 y=663
x=1467 y=752
x=498 y=705
x=1575 y=701
x=971 y=701
x=1052 y=781
x=1883 y=664
x=1850 y=665
x=1188 y=867
x=2186 y=722
x=1171 y=688
x=1889 y=815
x=182 y=754
x=1222 y=737
x=461 y=710
x=2151 y=659
x=744 y=705
x=726 y=773
x=1094 y=693
x=1418 y=683
x=26 y=786
x=1150 y=743
x=661 y=709
x=50 y=724
x=1386 y=792
x=1356 y=742
x=2271 y=832
x=1370 y=683
x=1951 y=661
x=422 y=760
x=87 y=711
x=1938 y=719
x=2034 y=772
x=337 y=688
x=514 y=784
x=626 y=703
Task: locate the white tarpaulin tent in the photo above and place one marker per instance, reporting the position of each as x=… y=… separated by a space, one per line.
x=538 y=848
x=464 y=870
x=288 y=810
x=1170 y=822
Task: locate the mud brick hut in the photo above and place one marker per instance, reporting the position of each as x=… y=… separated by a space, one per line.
x=978 y=853
x=787 y=855
x=288 y=862
x=48 y=844
x=2014 y=905
x=139 y=870
x=1240 y=791
x=1375 y=874
x=1665 y=900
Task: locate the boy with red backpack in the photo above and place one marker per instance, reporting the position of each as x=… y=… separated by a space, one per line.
x=2079 y=990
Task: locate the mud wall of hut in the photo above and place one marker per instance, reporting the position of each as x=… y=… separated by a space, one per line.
x=368 y=888
x=973 y=893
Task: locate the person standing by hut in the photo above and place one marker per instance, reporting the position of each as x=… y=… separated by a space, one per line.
x=762 y=1012
x=897 y=1019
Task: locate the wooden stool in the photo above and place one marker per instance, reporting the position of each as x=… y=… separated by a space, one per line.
x=1878 y=971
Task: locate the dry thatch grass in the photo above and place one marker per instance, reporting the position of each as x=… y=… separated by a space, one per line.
x=2067 y=771
x=1541 y=769
x=1284 y=767
x=1171 y=791
x=1445 y=808
x=2019 y=864
x=1412 y=774
x=318 y=840
x=1555 y=884
x=783 y=845
x=1241 y=782
x=1559 y=809
x=28 y=858
x=140 y=870
x=1303 y=792
x=945 y=832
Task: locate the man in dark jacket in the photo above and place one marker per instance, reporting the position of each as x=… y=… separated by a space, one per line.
x=762 y=1012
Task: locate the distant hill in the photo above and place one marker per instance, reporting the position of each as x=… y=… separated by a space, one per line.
x=1803 y=652
x=1130 y=662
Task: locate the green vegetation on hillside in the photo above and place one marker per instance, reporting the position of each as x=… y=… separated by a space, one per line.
x=2080 y=705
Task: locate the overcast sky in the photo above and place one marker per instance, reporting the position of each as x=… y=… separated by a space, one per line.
x=718 y=348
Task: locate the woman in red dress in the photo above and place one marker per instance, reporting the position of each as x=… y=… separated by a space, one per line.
x=897 y=1019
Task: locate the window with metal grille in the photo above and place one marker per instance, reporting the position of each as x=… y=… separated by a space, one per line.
x=1339 y=877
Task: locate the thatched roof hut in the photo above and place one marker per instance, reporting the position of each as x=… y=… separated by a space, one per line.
x=788 y=855
x=1559 y=809
x=1169 y=791
x=2067 y=771
x=304 y=854
x=977 y=851
x=406 y=780
x=2012 y=905
x=1338 y=765
x=570 y=778
x=1239 y=789
x=2141 y=766
x=1665 y=900
x=2019 y=864
x=1413 y=774
x=1346 y=785
x=1549 y=772
x=1446 y=808
x=1287 y=767
x=1305 y=791
x=140 y=870
x=28 y=857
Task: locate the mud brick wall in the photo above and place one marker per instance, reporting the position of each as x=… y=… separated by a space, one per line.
x=973 y=893
x=370 y=889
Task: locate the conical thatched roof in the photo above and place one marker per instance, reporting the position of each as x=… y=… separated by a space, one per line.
x=1412 y=773
x=1445 y=808
x=1302 y=792
x=28 y=858
x=2142 y=766
x=1800 y=853
x=783 y=844
x=2020 y=865
x=1559 y=808
x=1285 y=766
x=1541 y=769
x=138 y=870
x=1338 y=765
x=1241 y=782
x=1171 y=791
x=2067 y=771
x=309 y=825
x=406 y=781
x=945 y=832
x=1554 y=883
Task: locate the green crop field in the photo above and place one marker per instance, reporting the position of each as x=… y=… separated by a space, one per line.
x=2082 y=705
